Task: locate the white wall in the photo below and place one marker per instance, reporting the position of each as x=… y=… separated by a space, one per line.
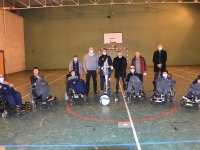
x=12 y=42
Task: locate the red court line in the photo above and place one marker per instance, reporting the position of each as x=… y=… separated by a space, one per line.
x=137 y=120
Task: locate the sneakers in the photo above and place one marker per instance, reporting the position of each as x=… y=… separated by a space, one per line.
x=20 y=106
x=50 y=99
x=185 y=97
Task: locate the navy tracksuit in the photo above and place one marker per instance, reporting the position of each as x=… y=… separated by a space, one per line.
x=13 y=97
x=101 y=61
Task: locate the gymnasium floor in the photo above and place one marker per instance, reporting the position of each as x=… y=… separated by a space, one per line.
x=93 y=126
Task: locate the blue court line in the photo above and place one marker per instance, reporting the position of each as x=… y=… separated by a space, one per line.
x=96 y=145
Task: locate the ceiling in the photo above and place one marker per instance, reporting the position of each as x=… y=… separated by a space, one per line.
x=27 y=4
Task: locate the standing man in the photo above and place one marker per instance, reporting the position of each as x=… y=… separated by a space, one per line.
x=140 y=65
x=90 y=65
x=102 y=59
x=75 y=65
x=120 y=64
x=159 y=60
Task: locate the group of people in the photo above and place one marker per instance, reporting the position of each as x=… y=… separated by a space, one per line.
x=92 y=65
x=14 y=98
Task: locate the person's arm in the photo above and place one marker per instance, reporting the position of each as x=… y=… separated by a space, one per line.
x=114 y=63
x=97 y=66
x=128 y=77
x=99 y=61
x=80 y=69
x=70 y=66
x=132 y=63
x=84 y=64
x=125 y=63
x=165 y=59
x=145 y=69
x=33 y=79
x=109 y=61
x=154 y=58
x=195 y=81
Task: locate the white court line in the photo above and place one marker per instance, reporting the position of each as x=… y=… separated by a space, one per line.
x=49 y=83
x=186 y=71
x=29 y=82
x=131 y=122
x=181 y=76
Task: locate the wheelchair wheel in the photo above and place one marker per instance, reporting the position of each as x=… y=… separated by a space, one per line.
x=169 y=100
x=199 y=105
x=143 y=98
x=182 y=103
x=152 y=99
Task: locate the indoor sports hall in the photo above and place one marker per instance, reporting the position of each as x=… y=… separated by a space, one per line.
x=48 y=34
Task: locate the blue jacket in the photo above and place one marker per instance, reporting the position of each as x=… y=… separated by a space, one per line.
x=6 y=89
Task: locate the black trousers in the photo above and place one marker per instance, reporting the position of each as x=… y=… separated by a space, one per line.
x=123 y=81
x=140 y=76
x=94 y=77
x=156 y=74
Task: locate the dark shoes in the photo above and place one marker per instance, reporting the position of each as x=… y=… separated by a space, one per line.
x=95 y=92
x=116 y=91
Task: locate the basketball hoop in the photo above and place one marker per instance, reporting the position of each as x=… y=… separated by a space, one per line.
x=113 y=44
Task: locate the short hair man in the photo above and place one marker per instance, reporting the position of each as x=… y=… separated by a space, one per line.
x=103 y=58
x=140 y=65
x=120 y=64
x=75 y=65
x=159 y=60
x=90 y=65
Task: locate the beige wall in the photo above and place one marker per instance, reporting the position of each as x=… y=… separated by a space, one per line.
x=12 y=42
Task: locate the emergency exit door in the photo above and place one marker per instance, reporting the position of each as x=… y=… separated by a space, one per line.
x=2 y=71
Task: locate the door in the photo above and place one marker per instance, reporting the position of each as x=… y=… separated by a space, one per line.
x=2 y=68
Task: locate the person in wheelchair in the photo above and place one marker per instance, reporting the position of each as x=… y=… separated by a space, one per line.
x=164 y=86
x=40 y=89
x=76 y=87
x=134 y=84
x=9 y=94
x=193 y=90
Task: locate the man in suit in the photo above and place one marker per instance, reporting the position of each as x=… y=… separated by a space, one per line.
x=159 y=60
x=120 y=64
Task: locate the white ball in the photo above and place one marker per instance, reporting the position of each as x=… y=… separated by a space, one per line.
x=104 y=100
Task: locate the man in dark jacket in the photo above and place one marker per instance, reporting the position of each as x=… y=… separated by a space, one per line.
x=139 y=64
x=159 y=60
x=120 y=64
x=102 y=59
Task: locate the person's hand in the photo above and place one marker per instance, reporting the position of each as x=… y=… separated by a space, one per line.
x=37 y=77
x=159 y=65
x=111 y=67
x=11 y=85
x=144 y=73
x=198 y=81
x=97 y=70
x=85 y=71
x=0 y=86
